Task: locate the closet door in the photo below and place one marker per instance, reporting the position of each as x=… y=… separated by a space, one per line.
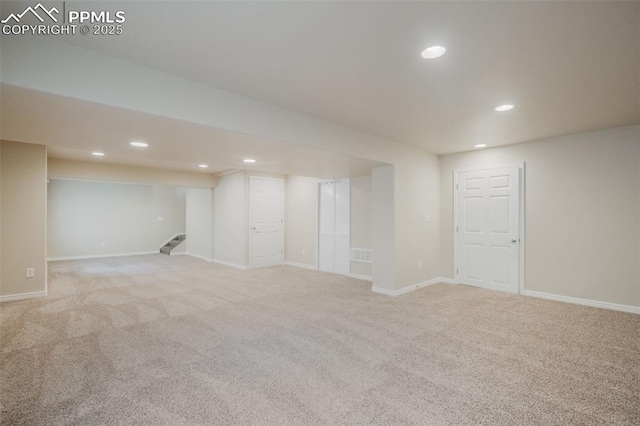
x=326 y=227
x=341 y=231
x=333 y=228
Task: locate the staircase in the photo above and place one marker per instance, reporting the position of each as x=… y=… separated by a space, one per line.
x=172 y=244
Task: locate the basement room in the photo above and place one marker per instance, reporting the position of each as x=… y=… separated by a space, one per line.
x=319 y=213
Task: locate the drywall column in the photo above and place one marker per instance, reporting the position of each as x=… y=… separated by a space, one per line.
x=199 y=223
x=230 y=226
x=23 y=223
x=383 y=228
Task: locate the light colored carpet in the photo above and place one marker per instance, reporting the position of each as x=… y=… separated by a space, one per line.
x=160 y=340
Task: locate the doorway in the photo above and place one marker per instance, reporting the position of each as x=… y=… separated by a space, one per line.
x=266 y=218
x=334 y=226
x=489 y=227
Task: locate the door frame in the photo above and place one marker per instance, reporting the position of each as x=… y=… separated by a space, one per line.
x=251 y=178
x=348 y=180
x=521 y=203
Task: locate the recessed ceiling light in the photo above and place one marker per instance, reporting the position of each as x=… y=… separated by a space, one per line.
x=98 y=154
x=480 y=145
x=506 y=107
x=433 y=52
x=139 y=144
x=249 y=160
x=203 y=166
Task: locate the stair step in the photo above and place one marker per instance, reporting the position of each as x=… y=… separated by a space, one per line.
x=172 y=244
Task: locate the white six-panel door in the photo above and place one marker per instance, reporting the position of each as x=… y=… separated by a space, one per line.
x=334 y=227
x=266 y=198
x=487 y=228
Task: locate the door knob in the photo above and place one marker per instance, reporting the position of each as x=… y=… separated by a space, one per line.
x=514 y=241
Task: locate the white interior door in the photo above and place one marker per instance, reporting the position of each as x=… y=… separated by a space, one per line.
x=341 y=263
x=326 y=226
x=334 y=227
x=488 y=228
x=267 y=221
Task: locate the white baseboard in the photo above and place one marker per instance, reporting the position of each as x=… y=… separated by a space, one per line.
x=100 y=256
x=411 y=287
x=360 y=277
x=22 y=296
x=218 y=261
x=197 y=256
x=585 y=302
x=301 y=265
x=230 y=264
x=315 y=268
x=180 y=253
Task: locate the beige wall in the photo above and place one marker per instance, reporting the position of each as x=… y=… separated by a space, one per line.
x=301 y=220
x=24 y=217
x=199 y=223
x=382 y=227
x=0 y=216
x=416 y=195
x=87 y=218
x=582 y=212
x=361 y=220
x=93 y=170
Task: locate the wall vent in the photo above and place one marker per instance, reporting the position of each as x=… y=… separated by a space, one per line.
x=361 y=255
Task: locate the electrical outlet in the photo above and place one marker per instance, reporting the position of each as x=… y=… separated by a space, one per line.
x=420 y=264
x=304 y=251
x=103 y=244
x=30 y=273
x=427 y=218
x=160 y=218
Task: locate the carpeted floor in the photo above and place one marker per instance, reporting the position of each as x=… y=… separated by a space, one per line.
x=158 y=340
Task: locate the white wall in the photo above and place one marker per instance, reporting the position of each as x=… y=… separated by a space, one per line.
x=582 y=212
x=23 y=180
x=301 y=220
x=200 y=223
x=230 y=231
x=87 y=218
